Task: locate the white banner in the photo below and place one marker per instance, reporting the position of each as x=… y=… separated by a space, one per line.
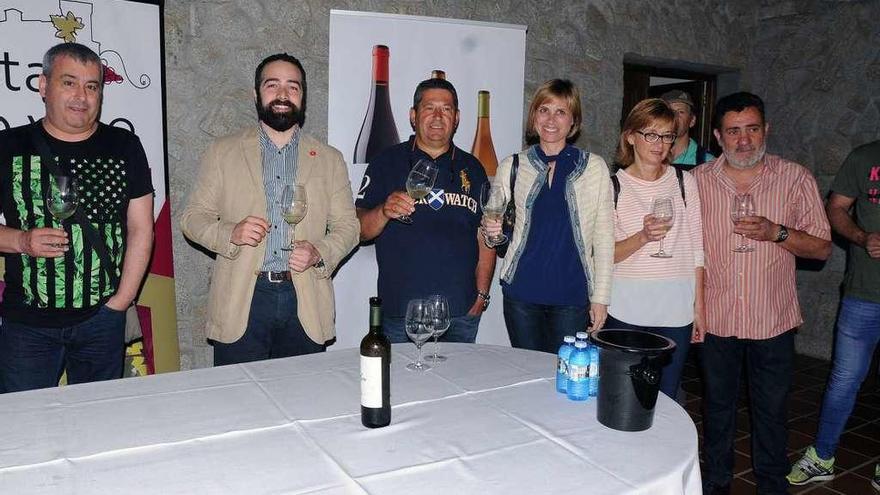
x=475 y=56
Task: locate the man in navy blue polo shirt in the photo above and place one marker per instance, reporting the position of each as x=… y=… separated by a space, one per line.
x=441 y=251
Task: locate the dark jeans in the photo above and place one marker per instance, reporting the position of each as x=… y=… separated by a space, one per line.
x=671 y=377
x=768 y=369
x=35 y=357
x=273 y=329
x=461 y=329
x=541 y=327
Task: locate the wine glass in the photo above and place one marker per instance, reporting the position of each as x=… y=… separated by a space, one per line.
x=494 y=203
x=438 y=309
x=419 y=183
x=418 y=329
x=663 y=210
x=743 y=206
x=294 y=205
x=62 y=197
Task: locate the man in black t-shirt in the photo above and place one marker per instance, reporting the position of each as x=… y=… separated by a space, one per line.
x=66 y=296
x=440 y=252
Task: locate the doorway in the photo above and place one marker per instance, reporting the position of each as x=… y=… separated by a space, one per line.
x=642 y=81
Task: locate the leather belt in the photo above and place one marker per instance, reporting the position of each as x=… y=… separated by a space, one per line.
x=275 y=277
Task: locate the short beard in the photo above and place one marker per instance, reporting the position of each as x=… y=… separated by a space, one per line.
x=749 y=162
x=283 y=121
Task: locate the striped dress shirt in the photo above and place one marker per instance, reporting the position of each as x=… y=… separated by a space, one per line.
x=279 y=170
x=754 y=295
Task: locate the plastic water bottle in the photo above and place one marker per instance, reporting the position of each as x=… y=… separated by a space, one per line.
x=581 y=336
x=578 y=369
x=562 y=364
x=594 y=371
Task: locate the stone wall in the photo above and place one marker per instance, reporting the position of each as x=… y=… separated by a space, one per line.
x=212 y=48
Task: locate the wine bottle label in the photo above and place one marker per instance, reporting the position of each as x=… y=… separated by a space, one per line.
x=371 y=381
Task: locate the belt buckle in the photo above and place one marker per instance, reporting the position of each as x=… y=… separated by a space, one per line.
x=280 y=278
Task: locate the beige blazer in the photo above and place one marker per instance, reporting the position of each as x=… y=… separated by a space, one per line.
x=228 y=189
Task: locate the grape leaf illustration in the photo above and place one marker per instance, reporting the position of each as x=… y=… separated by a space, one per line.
x=66 y=26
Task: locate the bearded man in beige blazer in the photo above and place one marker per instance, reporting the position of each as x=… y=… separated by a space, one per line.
x=267 y=300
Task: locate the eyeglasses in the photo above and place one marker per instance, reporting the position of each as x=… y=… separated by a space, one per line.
x=652 y=137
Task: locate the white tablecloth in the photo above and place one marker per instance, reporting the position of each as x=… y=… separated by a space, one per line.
x=488 y=420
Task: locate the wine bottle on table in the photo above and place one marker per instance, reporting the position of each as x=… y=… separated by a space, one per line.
x=483 y=148
x=378 y=130
x=375 y=372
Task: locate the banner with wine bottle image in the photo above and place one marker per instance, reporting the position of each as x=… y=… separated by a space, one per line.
x=376 y=62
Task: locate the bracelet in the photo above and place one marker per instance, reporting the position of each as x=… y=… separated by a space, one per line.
x=485 y=297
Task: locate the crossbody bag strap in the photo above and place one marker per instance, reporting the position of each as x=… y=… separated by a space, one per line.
x=89 y=230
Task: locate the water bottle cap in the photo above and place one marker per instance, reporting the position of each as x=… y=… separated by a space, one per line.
x=569 y=339
x=581 y=335
x=580 y=344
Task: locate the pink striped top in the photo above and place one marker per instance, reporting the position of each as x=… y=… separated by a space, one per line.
x=684 y=240
x=754 y=295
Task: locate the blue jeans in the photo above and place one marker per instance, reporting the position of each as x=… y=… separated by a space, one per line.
x=541 y=327
x=35 y=357
x=858 y=329
x=769 y=366
x=461 y=329
x=273 y=329
x=671 y=376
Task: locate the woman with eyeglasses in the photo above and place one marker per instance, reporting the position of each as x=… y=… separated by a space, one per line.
x=556 y=275
x=657 y=283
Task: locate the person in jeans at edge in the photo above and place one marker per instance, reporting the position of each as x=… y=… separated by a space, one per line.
x=440 y=252
x=63 y=307
x=556 y=275
x=751 y=297
x=856 y=187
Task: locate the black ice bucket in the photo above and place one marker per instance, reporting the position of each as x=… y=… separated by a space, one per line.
x=630 y=366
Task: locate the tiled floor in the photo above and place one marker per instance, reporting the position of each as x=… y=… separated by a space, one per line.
x=859 y=446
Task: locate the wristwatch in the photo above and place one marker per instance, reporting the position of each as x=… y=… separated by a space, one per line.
x=782 y=234
x=485 y=297
x=319 y=264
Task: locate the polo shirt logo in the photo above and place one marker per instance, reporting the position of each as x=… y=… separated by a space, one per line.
x=437 y=199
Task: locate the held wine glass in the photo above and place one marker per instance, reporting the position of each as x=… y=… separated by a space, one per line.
x=418 y=329
x=743 y=206
x=663 y=210
x=494 y=203
x=438 y=308
x=62 y=198
x=419 y=183
x=294 y=204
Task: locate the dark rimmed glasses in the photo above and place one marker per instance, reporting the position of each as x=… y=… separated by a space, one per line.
x=652 y=137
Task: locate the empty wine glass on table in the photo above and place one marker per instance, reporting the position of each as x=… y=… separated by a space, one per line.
x=743 y=206
x=438 y=309
x=493 y=200
x=419 y=183
x=294 y=205
x=419 y=330
x=662 y=209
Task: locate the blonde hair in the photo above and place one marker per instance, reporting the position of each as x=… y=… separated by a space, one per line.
x=644 y=114
x=564 y=90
